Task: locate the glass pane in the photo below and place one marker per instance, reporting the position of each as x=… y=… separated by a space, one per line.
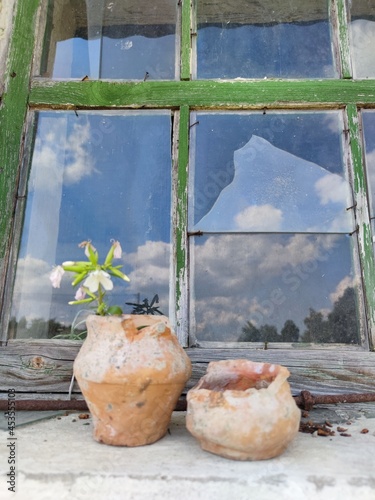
x=362 y=35
x=256 y=179
x=252 y=39
x=99 y=176
x=274 y=288
x=368 y=119
x=274 y=172
x=129 y=40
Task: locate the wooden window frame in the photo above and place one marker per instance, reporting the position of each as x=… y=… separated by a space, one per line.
x=43 y=368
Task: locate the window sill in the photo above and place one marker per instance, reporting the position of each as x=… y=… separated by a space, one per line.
x=57 y=458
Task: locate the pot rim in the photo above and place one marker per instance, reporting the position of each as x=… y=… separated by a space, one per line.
x=221 y=375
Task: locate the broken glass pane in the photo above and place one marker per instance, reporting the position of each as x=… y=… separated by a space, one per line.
x=362 y=38
x=274 y=172
x=94 y=176
x=252 y=39
x=128 y=40
x=271 y=230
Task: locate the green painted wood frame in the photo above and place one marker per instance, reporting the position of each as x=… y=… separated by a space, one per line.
x=22 y=93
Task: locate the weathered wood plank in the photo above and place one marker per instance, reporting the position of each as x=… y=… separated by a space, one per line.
x=38 y=366
x=13 y=111
x=208 y=94
x=365 y=242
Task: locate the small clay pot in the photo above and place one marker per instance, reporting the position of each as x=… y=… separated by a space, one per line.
x=131 y=371
x=243 y=410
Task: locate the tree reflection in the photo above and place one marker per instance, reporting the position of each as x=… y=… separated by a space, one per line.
x=340 y=326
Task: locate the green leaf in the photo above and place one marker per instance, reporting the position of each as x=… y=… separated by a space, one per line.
x=83 y=301
x=114 y=310
x=79 y=278
x=115 y=272
x=78 y=268
x=109 y=258
x=93 y=256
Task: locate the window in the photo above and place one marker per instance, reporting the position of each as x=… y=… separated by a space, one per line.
x=228 y=145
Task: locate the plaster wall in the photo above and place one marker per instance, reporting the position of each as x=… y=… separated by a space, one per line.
x=6 y=17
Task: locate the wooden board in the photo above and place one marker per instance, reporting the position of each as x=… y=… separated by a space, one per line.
x=40 y=366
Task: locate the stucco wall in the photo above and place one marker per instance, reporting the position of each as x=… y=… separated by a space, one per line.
x=6 y=16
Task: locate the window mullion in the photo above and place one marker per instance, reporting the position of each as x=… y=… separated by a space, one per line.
x=180 y=226
x=185 y=38
x=343 y=34
x=362 y=213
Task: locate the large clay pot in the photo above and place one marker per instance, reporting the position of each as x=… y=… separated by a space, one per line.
x=131 y=370
x=243 y=410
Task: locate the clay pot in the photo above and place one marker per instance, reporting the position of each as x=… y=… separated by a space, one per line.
x=243 y=410
x=131 y=371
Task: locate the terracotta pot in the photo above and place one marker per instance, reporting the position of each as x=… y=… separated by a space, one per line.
x=131 y=370
x=243 y=410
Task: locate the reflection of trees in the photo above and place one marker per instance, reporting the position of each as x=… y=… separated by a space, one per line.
x=289 y=332
x=340 y=326
x=38 y=328
x=269 y=333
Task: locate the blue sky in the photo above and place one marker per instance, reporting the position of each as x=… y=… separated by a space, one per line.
x=96 y=176
x=107 y=175
x=257 y=174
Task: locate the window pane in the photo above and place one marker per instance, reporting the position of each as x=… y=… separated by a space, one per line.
x=98 y=176
x=269 y=203
x=255 y=39
x=277 y=172
x=368 y=118
x=362 y=34
x=274 y=288
x=129 y=40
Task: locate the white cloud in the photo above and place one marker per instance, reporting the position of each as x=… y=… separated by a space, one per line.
x=362 y=34
x=229 y=262
x=332 y=188
x=59 y=155
x=79 y=164
x=345 y=283
x=150 y=271
x=259 y=218
x=240 y=278
x=32 y=289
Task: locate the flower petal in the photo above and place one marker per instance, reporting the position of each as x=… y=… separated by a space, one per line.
x=105 y=280
x=118 y=250
x=56 y=275
x=97 y=278
x=80 y=294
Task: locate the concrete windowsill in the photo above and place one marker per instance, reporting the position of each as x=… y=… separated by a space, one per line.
x=58 y=459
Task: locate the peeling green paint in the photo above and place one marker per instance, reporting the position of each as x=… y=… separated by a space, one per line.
x=343 y=32
x=203 y=93
x=13 y=111
x=366 y=254
x=185 y=39
x=181 y=216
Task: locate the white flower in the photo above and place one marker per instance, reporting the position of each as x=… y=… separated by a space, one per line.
x=86 y=245
x=118 y=250
x=97 y=278
x=80 y=294
x=56 y=276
